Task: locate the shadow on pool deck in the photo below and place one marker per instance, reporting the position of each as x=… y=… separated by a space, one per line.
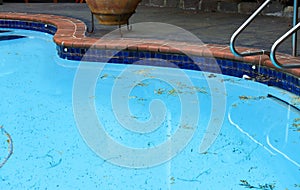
x=209 y=27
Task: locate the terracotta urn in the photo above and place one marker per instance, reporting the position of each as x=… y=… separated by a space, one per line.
x=113 y=12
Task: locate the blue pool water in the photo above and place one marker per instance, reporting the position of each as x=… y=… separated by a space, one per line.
x=47 y=128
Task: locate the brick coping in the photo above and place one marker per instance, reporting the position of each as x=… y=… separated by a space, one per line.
x=71 y=34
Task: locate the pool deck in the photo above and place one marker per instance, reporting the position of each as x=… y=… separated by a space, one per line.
x=213 y=29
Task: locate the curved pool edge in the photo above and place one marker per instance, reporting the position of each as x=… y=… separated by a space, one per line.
x=72 y=44
x=71 y=33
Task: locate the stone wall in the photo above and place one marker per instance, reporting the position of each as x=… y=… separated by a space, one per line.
x=229 y=6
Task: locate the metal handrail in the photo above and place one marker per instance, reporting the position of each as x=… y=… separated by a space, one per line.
x=272 y=54
x=292 y=31
x=242 y=28
x=295 y=22
x=277 y=43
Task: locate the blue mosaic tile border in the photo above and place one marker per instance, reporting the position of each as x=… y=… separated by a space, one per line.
x=264 y=75
x=28 y=25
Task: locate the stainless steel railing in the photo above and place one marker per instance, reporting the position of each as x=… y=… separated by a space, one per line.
x=242 y=28
x=273 y=58
x=272 y=53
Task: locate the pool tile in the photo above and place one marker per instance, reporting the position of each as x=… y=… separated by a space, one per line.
x=69 y=34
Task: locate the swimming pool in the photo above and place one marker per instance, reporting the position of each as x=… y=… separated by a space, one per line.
x=256 y=147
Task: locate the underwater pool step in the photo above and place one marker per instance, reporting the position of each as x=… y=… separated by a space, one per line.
x=281 y=101
x=11 y=37
x=4 y=31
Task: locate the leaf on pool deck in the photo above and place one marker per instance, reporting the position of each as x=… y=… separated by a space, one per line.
x=11 y=37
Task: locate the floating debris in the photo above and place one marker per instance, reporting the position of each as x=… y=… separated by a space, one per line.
x=246 y=77
x=229 y=80
x=104 y=76
x=234 y=105
x=200 y=90
x=297 y=119
x=92 y=97
x=252 y=97
x=246 y=184
x=132 y=97
x=172 y=92
x=192 y=89
x=267 y=186
x=144 y=72
x=263 y=78
x=296 y=125
x=295 y=100
x=10 y=146
x=186 y=126
x=212 y=76
x=244 y=97
x=134 y=117
x=116 y=78
x=172 y=179
x=53 y=158
x=142 y=99
x=252 y=168
x=142 y=84
x=159 y=91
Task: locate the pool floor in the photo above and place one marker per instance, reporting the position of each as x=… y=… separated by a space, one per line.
x=256 y=147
